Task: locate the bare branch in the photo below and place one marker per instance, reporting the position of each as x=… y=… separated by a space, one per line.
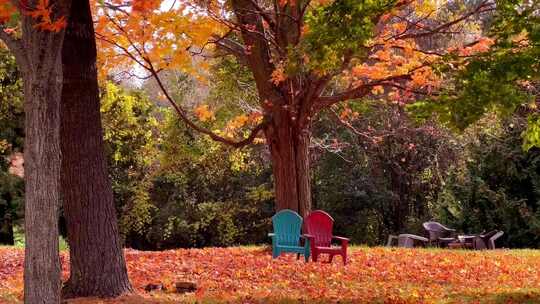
x=183 y=116
x=483 y=7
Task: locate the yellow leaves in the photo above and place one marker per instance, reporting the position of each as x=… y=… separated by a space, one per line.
x=278 y=75
x=235 y=125
x=237 y=122
x=377 y=90
x=425 y=7
x=203 y=113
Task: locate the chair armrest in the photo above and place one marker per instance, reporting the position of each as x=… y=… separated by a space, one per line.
x=340 y=238
x=308 y=236
x=271 y=235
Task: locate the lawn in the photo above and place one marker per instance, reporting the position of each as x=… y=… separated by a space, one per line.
x=374 y=275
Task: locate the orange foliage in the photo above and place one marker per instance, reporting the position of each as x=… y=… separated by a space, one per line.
x=382 y=275
x=163 y=36
x=203 y=113
x=6 y=10
x=42 y=13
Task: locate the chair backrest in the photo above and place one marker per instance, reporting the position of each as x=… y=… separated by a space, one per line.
x=287 y=227
x=486 y=236
x=492 y=239
x=436 y=230
x=320 y=225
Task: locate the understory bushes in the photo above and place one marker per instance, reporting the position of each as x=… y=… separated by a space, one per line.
x=496 y=186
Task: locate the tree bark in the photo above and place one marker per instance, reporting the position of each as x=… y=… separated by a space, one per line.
x=289 y=149
x=42 y=173
x=40 y=60
x=42 y=164
x=98 y=265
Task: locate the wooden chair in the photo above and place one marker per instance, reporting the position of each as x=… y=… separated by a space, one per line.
x=318 y=227
x=287 y=234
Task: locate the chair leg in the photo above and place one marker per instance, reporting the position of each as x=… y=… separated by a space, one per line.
x=344 y=256
x=298 y=256
x=275 y=253
x=330 y=258
x=314 y=256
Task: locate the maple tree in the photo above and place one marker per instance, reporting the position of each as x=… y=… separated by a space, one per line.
x=97 y=265
x=34 y=31
x=304 y=56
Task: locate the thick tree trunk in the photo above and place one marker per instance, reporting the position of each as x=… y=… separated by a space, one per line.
x=42 y=173
x=98 y=266
x=39 y=58
x=289 y=148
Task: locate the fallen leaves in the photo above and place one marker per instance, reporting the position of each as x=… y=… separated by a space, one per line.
x=380 y=275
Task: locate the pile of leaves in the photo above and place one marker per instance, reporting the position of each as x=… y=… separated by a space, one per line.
x=373 y=275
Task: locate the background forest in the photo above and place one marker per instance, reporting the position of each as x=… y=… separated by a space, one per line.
x=176 y=188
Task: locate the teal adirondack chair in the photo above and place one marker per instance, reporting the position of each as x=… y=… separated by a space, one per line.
x=287 y=233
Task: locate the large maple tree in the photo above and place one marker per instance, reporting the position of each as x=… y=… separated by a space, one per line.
x=305 y=56
x=96 y=257
x=34 y=33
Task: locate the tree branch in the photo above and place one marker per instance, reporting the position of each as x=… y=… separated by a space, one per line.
x=481 y=8
x=183 y=116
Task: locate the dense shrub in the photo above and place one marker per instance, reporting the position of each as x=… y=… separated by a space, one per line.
x=385 y=180
x=496 y=185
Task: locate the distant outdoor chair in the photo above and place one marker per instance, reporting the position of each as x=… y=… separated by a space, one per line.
x=410 y=241
x=318 y=227
x=487 y=240
x=439 y=235
x=392 y=240
x=287 y=234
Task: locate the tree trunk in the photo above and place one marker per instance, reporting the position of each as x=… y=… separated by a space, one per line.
x=39 y=58
x=42 y=173
x=98 y=266
x=289 y=148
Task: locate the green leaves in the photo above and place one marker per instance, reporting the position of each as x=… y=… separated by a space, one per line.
x=499 y=80
x=337 y=30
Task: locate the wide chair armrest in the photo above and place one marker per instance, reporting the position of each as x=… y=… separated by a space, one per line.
x=343 y=240
x=271 y=235
x=308 y=239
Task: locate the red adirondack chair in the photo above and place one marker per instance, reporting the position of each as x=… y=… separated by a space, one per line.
x=318 y=226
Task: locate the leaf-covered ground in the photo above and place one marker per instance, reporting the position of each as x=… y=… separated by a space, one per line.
x=374 y=275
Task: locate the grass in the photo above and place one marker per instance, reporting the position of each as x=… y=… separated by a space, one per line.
x=18 y=235
x=373 y=275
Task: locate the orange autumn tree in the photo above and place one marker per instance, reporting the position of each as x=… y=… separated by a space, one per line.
x=305 y=56
x=34 y=33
